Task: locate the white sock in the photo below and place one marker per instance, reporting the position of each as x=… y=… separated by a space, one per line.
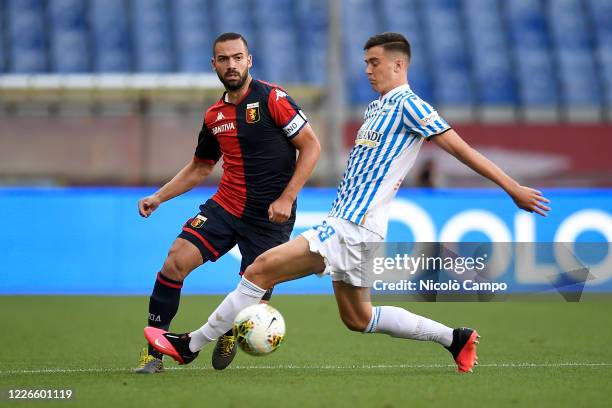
x=222 y=319
x=398 y=322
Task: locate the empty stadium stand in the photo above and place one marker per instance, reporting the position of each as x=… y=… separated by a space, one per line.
x=534 y=54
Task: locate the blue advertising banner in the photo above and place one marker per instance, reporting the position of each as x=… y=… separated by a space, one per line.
x=92 y=240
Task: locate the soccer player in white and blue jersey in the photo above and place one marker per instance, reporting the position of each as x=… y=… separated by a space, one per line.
x=386 y=146
x=395 y=125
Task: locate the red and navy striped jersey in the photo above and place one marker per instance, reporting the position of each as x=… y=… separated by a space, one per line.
x=254 y=138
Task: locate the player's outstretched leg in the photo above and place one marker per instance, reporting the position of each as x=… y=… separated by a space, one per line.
x=463 y=348
x=182 y=347
x=288 y=261
x=174 y=345
x=358 y=314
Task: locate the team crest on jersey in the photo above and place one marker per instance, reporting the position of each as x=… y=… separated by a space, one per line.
x=198 y=221
x=252 y=112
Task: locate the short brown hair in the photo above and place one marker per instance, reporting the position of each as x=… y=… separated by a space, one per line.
x=230 y=36
x=390 y=42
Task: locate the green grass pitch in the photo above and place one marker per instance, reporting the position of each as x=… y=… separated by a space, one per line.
x=532 y=354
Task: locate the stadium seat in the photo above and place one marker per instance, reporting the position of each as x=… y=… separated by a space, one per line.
x=604 y=57
x=495 y=83
x=312 y=36
x=527 y=23
x=360 y=22
x=3 y=56
x=534 y=53
x=314 y=10
x=575 y=62
x=578 y=78
x=492 y=68
x=278 y=56
x=403 y=16
x=277 y=42
x=26 y=35
x=419 y=75
x=537 y=78
x=453 y=83
x=601 y=15
x=452 y=87
x=236 y=16
x=153 y=46
x=69 y=42
x=192 y=20
x=531 y=49
x=110 y=35
x=600 y=12
x=269 y=12
x=400 y=16
x=569 y=25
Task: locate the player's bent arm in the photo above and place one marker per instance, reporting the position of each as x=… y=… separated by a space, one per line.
x=307 y=144
x=187 y=178
x=525 y=198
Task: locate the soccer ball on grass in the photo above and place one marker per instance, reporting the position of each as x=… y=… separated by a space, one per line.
x=259 y=329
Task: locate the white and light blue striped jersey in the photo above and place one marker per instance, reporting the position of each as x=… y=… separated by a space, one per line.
x=385 y=148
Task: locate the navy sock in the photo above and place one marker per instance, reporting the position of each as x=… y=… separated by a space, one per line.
x=163 y=304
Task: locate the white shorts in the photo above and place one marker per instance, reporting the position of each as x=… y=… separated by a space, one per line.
x=347 y=249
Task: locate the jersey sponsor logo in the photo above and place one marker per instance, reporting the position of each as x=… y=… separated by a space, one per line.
x=368 y=138
x=220 y=116
x=252 y=112
x=198 y=221
x=226 y=127
x=429 y=119
x=280 y=94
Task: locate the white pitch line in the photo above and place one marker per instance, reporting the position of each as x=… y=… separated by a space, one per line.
x=321 y=367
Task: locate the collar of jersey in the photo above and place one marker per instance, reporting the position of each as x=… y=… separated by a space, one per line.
x=224 y=96
x=394 y=91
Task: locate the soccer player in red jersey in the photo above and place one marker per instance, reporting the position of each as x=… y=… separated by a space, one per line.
x=256 y=127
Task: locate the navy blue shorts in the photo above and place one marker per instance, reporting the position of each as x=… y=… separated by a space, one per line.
x=214 y=231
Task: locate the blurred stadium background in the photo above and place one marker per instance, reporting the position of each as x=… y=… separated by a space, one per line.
x=111 y=93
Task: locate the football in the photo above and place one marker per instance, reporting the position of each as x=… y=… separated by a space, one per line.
x=259 y=329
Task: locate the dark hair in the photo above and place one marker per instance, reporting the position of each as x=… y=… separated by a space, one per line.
x=230 y=36
x=390 y=42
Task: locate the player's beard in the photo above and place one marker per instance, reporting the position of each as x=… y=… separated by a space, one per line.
x=235 y=83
